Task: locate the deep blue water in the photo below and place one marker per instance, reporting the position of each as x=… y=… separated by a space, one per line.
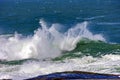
x=23 y=15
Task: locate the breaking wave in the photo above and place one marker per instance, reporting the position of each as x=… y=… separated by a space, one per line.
x=48 y=51
x=47 y=42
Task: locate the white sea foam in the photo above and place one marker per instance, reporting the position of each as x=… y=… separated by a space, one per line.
x=29 y=69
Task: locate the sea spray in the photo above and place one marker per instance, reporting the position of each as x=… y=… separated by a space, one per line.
x=47 y=42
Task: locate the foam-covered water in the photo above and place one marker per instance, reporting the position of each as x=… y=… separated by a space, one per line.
x=106 y=64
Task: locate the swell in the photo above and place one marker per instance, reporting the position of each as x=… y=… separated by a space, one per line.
x=86 y=47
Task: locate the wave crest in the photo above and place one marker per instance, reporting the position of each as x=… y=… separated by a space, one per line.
x=47 y=42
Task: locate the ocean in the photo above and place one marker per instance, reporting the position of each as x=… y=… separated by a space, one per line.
x=39 y=37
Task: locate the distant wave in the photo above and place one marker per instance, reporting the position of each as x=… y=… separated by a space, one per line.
x=108 y=23
x=95 y=17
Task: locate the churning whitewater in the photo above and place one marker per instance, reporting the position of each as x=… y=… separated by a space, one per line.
x=32 y=55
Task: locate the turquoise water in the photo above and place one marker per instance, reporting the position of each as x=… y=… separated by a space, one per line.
x=52 y=35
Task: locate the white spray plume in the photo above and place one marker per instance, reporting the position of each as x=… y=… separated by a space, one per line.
x=45 y=43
